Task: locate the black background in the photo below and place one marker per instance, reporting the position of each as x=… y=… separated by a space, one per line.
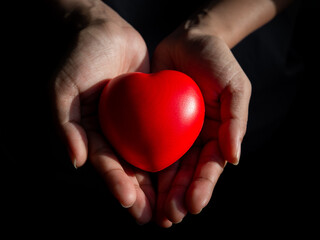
x=271 y=192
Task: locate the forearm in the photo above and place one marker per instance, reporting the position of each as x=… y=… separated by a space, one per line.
x=233 y=20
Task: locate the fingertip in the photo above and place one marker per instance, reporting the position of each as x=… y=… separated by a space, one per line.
x=197 y=198
x=164 y=223
x=238 y=154
x=175 y=208
x=77 y=161
x=77 y=143
x=141 y=209
x=234 y=158
x=125 y=195
x=74 y=162
x=230 y=141
x=126 y=203
x=120 y=186
x=160 y=216
x=111 y=170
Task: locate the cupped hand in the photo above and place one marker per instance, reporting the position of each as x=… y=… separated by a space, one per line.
x=101 y=51
x=187 y=186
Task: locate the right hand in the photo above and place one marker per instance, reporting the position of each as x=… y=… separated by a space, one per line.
x=102 y=50
x=187 y=186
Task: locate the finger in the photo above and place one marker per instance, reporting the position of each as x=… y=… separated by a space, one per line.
x=66 y=103
x=111 y=170
x=165 y=178
x=142 y=208
x=208 y=170
x=161 y=218
x=146 y=185
x=234 y=116
x=175 y=207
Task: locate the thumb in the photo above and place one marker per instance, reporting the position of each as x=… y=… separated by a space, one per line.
x=234 y=116
x=66 y=104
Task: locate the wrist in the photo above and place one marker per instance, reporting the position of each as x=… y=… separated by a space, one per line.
x=204 y=24
x=79 y=14
x=196 y=27
x=233 y=20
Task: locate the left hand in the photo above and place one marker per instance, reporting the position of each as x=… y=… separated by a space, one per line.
x=187 y=185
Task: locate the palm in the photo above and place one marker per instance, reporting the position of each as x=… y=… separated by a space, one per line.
x=101 y=53
x=188 y=185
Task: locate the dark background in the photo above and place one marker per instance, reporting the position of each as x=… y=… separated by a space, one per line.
x=271 y=192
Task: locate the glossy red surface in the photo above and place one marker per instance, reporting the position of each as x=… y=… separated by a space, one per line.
x=151 y=119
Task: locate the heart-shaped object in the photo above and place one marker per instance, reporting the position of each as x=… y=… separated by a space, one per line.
x=151 y=120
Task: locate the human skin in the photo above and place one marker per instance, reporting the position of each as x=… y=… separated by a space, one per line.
x=107 y=46
x=200 y=47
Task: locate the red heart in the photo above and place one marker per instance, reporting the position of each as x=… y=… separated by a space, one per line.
x=151 y=120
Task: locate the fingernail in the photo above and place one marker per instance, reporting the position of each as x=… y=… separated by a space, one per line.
x=238 y=154
x=124 y=206
x=72 y=158
x=75 y=163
